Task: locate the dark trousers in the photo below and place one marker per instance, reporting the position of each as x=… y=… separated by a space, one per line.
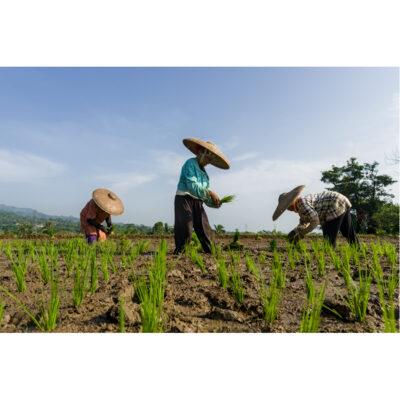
x=344 y=224
x=189 y=215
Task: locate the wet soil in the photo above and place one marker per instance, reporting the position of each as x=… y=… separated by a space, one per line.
x=194 y=301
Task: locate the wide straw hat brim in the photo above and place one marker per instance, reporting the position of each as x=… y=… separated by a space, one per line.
x=285 y=199
x=108 y=201
x=219 y=161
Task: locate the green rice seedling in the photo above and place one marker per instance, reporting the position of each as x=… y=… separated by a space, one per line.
x=222 y=274
x=49 y=311
x=262 y=258
x=277 y=270
x=19 y=266
x=21 y=305
x=269 y=298
x=94 y=272
x=2 y=304
x=312 y=311
x=80 y=281
x=216 y=251
x=227 y=199
x=142 y=247
x=69 y=259
x=290 y=250
x=355 y=253
x=195 y=242
x=319 y=256
x=43 y=267
x=302 y=247
x=151 y=294
x=334 y=258
x=386 y=290
x=121 y=317
x=272 y=246
x=250 y=264
x=357 y=297
x=235 y=257
x=236 y=284
x=235 y=244
x=111 y=262
x=391 y=253
x=104 y=266
x=258 y=236
x=296 y=254
x=197 y=259
x=310 y=289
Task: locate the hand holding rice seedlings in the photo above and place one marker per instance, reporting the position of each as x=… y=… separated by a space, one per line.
x=237 y=286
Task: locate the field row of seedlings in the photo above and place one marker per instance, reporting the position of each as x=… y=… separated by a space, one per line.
x=271 y=286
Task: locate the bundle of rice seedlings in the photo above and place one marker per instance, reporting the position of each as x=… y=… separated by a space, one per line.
x=227 y=199
x=235 y=244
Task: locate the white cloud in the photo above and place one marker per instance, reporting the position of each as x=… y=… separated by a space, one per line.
x=246 y=156
x=18 y=166
x=169 y=162
x=122 y=182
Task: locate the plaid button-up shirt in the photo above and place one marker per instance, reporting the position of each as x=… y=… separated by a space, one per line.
x=317 y=209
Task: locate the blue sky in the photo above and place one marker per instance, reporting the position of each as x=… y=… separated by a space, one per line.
x=67 y=131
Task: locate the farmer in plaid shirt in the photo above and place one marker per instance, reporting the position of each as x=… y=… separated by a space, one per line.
x=329 y=209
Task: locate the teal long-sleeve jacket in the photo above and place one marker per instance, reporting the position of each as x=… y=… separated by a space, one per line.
x=194 y=180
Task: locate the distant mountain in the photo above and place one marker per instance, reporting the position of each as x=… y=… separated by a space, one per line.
x=29 y=212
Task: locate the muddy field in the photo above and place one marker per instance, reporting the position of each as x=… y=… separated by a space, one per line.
x=194 y=301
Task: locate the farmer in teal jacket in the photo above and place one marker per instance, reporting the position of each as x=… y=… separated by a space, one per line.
x=193 y=190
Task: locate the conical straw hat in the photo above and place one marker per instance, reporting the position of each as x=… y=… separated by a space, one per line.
x=108 y=201
x=219 y=161
x=285 y=199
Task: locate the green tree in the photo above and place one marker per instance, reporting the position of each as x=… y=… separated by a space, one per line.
x=219 y=229
x=25 y=228
x=130 y=229
x=48 y=228
x=158 y=228
x=365 y=189
x=387 y=218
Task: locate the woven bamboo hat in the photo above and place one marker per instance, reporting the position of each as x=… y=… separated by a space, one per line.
x=219 y=160
x=108 y=201
x=285 y=200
